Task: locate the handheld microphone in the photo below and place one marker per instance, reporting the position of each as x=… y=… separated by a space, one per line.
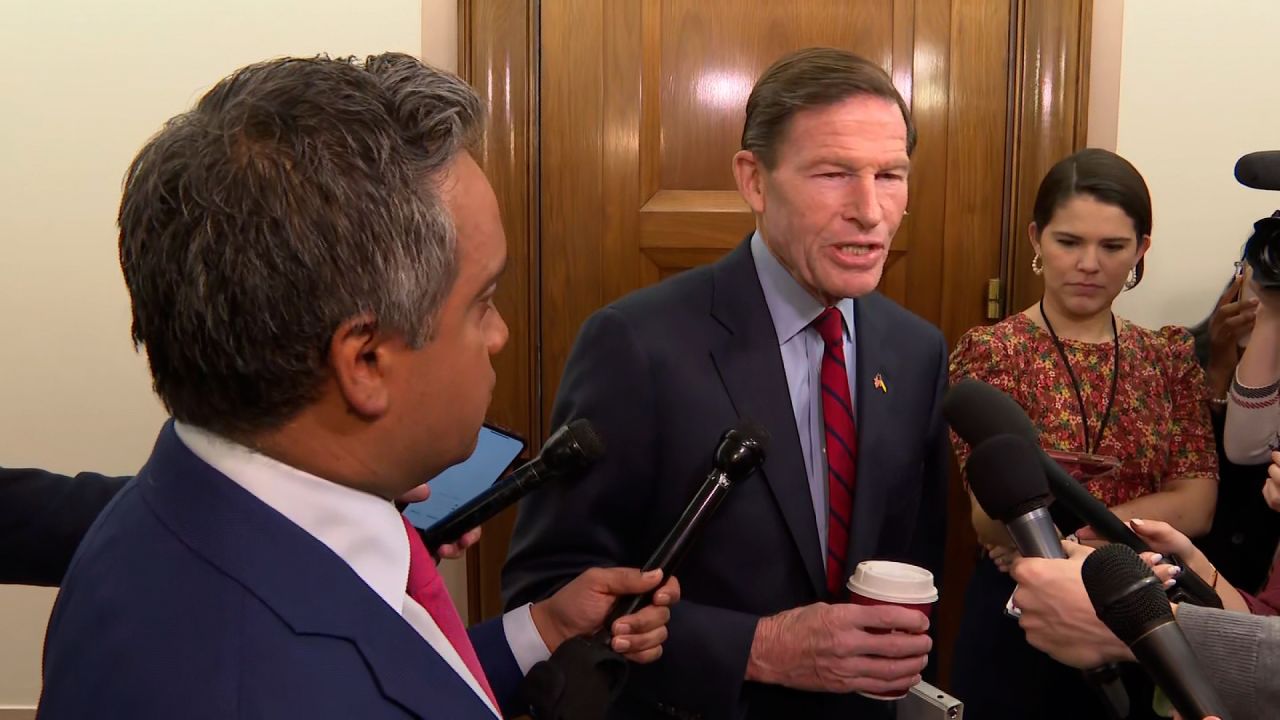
x=741 y=450
x=977 y=411
x=1128 y=600
x=1008 y=481
x=1259 y=170
x=584 y=676
x=569 y=451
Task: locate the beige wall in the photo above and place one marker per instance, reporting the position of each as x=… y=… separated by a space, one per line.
x=85 y=85
x=1197 y=91
x=1104 y=73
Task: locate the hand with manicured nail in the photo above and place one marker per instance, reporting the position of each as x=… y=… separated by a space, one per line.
x=1164 y=541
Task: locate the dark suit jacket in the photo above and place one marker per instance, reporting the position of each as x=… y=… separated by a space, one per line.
x=661 y=374
x=43 y=517
x=190 y=598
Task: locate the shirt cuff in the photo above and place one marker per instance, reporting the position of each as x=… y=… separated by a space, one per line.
x=523 y=638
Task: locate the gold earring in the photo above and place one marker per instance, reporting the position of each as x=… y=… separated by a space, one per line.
x=1037 y=264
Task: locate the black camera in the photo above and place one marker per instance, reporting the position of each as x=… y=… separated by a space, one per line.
x=1262 y=252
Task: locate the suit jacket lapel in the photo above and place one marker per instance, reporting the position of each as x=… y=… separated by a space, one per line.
x=876 y=359
x=304 y=582
x=750 y=366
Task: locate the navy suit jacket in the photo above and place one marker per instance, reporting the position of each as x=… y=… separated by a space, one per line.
x=190 y=598
x=661 y=374
x=43 y=517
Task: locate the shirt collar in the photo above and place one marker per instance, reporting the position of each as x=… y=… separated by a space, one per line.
x=363 y=529
x=790 y=305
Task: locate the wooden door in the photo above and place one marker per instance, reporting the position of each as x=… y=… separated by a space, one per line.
x=614 y=122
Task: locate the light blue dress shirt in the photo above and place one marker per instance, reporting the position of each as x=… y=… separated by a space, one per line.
x=793 y=309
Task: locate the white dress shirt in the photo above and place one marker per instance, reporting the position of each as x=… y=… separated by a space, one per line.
x=364 y=530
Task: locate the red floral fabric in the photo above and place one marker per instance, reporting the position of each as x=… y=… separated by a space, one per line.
x=1159 y=427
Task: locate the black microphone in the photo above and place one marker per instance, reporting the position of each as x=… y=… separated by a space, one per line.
x=1008 y=481
x=1259 y=170
x=1128 y=600
x=584 y=676
x=569 y=451
x=740 y=451
x=977 y=411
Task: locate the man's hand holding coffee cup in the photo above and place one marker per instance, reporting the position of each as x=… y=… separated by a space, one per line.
x=841 y=648
x=876 y=645
x=877 y=583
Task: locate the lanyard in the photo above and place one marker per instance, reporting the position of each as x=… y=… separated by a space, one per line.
x=1075 y=383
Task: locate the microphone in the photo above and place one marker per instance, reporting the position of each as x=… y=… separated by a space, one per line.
x=740 y=451
x=1128 y=600
x=569 y=451
x=584 y=676
x=977 y=411
x=1008 y=481
x=1259 y=170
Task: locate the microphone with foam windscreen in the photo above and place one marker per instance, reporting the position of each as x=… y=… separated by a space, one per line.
x=977 y=411
x=1008 y=481
x=1128 y=599
x=571 y=450
x=1259 y=170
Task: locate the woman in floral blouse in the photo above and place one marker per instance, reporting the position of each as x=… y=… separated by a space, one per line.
x=1093 y=384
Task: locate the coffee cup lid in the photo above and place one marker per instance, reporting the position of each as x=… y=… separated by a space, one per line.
x=893 y=582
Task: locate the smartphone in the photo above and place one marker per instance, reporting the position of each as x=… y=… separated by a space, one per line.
x=496 y=450
x=1084 y=466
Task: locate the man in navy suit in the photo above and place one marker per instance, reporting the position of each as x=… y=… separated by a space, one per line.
x=787 y=330
x=312 y=256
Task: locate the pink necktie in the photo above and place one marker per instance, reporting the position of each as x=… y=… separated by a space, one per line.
x=428 y=590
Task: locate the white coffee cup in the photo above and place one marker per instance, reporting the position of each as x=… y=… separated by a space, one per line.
x=883 y=582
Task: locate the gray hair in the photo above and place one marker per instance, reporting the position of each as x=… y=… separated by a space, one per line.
x=812 y=78
x=296 y=195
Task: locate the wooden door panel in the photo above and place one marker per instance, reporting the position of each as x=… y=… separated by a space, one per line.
x=1050 y=114
x=710 y=55
x=680 y=229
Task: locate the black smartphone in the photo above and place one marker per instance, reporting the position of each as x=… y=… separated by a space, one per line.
x=496 y=449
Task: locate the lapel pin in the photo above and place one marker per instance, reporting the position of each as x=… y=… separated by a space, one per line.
x=879 y=383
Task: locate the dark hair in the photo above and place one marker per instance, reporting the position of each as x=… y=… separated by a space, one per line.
x=296 y=195
x=1104 y=176
x=812 y=78
x=1201 y=342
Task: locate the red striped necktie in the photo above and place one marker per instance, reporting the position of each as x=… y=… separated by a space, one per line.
x=841 y=445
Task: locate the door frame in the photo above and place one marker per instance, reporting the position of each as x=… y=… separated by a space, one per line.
x=498 y=55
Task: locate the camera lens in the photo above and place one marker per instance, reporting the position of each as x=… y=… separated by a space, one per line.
x=1262 y=252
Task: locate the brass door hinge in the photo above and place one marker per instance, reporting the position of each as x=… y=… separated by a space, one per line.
x=995 y=298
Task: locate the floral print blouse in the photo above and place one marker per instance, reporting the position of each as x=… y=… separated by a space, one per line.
x=1159 y=426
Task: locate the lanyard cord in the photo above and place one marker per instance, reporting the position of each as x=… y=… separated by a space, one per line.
x=1075 y=383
